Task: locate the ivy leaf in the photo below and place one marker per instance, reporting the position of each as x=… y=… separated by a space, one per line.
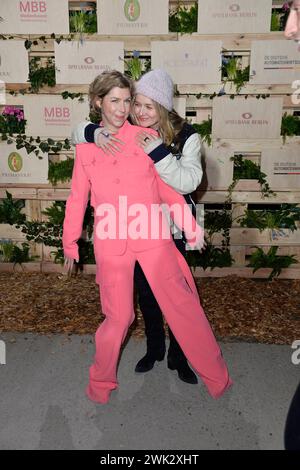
x=28 y=44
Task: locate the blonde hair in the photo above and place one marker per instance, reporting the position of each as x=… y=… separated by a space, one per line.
x=103 y=84
x=169 y=124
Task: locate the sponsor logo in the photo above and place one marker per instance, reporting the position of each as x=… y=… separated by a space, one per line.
x=247 y=115
x=33 y=10
x=57 y=116
x=132 y=10
x=234 y=7
x=15 y=162
x=89 y=60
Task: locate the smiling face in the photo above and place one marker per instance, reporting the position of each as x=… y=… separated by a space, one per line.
x=115 y=107
x=145 y=111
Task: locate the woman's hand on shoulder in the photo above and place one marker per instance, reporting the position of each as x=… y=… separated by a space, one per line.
x=107 y=142
x=143 y=139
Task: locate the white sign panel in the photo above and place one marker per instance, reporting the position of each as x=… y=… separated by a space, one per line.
x=247 y=119
x=275 y=62
x=282 y=166
x=34 y=17
x=179 y=105
x=228 y=16
x=14 y=66
x=78 y=63
x=16 y=166
x=217 y=167
x=52 y=116
x=188 y=62
x=133 y=17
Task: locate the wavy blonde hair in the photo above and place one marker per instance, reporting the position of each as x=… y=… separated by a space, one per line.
x=169 y=124
x=102 y=85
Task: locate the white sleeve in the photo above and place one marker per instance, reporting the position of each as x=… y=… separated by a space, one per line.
x=77 y=136
x=184 y=174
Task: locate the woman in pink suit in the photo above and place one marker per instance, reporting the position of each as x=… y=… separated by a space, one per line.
x=126 y=193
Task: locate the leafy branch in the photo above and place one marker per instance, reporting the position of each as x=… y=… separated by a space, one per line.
x=247 y=169
x=36 y=145
x=205 y=130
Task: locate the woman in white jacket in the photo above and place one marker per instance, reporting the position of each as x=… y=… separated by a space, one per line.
x=177 y=157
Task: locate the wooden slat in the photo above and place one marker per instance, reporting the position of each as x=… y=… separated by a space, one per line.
x=10 y=232
x=218 y=197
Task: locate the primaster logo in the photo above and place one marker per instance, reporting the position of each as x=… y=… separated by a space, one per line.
x=132 y=10
x=33 y=11
x=15 y=162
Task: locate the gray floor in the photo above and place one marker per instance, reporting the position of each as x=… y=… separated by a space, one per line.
x=43 y=405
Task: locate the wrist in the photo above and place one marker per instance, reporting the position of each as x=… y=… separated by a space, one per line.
x=152 y=145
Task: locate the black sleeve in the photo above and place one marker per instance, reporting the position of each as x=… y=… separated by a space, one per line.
x=89 y=132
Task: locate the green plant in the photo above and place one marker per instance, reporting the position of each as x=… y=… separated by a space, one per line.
x=72 y=96
x=60 y=171
x=10 y=210
x=83 y=22
x=232 y=72
x=56 y=212
x=290 y=125
x=50 y=232
x=40 y=76
x=212 y=257
x=247 y=169
x=275 y=21
x=14 y=254
x=205 y=130
x=135 y=66
x=12 y=120
x=259 y=259
x=283 y=218
x=184 y=20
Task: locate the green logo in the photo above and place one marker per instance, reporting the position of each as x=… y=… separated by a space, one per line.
x=15 y=162
x=132 y=10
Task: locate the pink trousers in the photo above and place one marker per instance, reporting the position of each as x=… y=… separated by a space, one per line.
x=173 y=286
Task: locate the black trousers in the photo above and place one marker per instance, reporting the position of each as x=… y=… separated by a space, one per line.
x=292 y=427
x=154 y=325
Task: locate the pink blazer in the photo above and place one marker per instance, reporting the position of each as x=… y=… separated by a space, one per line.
x=130 y=174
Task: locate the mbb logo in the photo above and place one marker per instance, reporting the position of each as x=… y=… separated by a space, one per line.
x=33 y=7
x=57 y=114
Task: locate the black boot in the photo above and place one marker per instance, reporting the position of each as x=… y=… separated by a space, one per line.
x=184 y=371
x=147 y=362
x=154 y=325
x=177 y=361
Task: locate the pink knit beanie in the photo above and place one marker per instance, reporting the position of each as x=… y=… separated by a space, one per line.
x=158 y=86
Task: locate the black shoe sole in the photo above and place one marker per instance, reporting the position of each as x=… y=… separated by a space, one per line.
x=192 y=380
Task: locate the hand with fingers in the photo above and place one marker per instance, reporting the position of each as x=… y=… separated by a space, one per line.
x=68 y=265
x=144 y=138
x=107 y=142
